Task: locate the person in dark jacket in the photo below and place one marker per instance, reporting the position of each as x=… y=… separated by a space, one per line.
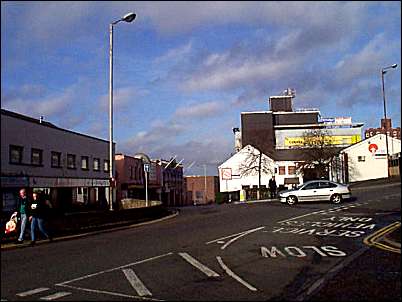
x=22 y=211
x=38 y=211
x=272 y=187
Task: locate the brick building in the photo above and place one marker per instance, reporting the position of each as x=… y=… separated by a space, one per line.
x=201 y=189
x=386 y=126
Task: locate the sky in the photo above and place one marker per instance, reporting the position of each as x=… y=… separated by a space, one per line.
x=184 y=71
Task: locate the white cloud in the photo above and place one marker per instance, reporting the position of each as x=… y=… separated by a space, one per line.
x=202 y=110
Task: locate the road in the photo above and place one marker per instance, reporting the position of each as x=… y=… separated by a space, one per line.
x=246 y=252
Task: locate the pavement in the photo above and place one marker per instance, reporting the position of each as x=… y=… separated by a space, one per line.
x=72 y=225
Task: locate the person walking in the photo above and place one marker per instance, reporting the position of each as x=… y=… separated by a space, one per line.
x=272 y=186
x=38 y=213
x=22 y=211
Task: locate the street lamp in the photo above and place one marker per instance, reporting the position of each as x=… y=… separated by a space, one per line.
x=126 y=18
x=384 y=71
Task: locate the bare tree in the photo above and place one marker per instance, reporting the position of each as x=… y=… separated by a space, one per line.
x=255 y=163
x=318 y=151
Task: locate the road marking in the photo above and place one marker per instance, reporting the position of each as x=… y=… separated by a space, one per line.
x=239 y=235
x=110 y=293
x=234 y=276
x=33 y=291
x=113 y=269
x=55 y=296
x=207 y=271
x=136 y=283
x=372 y=239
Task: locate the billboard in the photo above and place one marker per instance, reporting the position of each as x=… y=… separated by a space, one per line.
x=329 y=140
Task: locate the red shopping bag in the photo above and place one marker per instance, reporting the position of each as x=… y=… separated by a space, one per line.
x=11 y=225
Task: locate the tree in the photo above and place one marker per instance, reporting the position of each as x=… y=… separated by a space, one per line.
x=318 y=151
x=255 y=162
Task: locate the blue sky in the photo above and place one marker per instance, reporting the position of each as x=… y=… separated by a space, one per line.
x=184 y=71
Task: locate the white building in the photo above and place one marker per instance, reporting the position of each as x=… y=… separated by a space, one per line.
x=364 y=160
x=241 y=171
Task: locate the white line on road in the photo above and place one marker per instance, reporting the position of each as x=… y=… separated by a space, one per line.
x=238 y=237
x=136 y=283
x=32 y=292
x=207 y=271
x=55 y=296
x=234 y=276
x=113 y=269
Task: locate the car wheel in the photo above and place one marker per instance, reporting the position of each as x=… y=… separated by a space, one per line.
x=291 y=200
x=336 y=198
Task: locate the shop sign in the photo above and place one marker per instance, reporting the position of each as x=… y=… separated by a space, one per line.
x=226 y=173
x=329 y=140
x=12 y=181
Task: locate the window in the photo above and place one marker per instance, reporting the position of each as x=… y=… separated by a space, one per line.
x=291 y=170
x=282 y=170
x=71 y=161
x=106 y=165
x=36 y=157
x=199 y=194
x=96 y=164
x=16 y=154
x=361 y=158
x=84 y=162
x=56 y=159
x=311 y=186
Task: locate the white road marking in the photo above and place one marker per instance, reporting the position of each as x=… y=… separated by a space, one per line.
x=234 y=276
x=113 y=269
x=207 y=271
x=55 y=296
x=110 y=293
x=32 y=292
x=238 y=237
x=136 y=283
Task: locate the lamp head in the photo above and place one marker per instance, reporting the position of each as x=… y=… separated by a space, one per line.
x=394 y=65
x=129 y=17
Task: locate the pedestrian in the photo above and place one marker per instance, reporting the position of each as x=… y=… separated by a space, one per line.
x=22 y=211
x=272 y=186
x=38 y=211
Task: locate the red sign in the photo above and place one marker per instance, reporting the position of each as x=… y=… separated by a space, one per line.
x=373 y=148
x=226 y=173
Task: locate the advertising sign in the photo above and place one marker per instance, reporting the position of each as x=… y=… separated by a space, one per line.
x=329 y=140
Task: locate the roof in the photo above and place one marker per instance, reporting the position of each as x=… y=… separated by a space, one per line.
x=45 y=124
x=375 y=137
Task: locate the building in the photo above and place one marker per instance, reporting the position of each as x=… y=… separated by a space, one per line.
x=386 y=127
x=172 y=193
x=281 y=134
x=71 y=167
x=365 y=160
x=201 y=189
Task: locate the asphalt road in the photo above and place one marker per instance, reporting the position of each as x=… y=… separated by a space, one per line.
x=244 y=252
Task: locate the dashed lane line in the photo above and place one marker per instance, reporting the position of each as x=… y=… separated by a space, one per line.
x=55 y=296
x=32 y=292
x=206 y=270
x=136 y=283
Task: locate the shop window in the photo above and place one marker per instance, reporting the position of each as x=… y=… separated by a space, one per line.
x=84 y=162
x=96 y=164
x=16 y=154
x=55 y=159
x=199 y=194
x=71 y=164
x=282 y=170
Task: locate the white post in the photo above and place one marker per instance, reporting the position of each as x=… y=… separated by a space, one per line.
x=111 y=159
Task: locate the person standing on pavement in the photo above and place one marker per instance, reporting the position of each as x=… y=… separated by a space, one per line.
x=22 y=210
x=38 y=213
x=272 y=186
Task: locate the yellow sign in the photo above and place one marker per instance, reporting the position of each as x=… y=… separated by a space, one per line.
x=328 y=140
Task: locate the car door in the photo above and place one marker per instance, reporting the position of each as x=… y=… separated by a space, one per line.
x=324 y=190
x=308 y=192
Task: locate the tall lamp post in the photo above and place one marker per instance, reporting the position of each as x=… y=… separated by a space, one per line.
x=384 y=71
x=126 y=18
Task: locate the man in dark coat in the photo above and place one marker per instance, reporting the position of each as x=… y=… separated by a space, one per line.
x=272 y=187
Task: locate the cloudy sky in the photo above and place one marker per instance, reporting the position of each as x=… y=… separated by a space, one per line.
x=184 y=71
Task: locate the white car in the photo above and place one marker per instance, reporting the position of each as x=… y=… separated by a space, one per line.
x=315 y=190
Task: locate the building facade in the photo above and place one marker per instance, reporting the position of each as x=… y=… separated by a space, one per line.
x=365 y=160
x=386 y=127
x=201 y=189
x=71 y=167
